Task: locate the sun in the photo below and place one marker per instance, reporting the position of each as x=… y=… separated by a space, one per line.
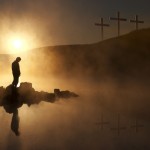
x=17 y=43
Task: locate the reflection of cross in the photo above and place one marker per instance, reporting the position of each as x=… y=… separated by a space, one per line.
x=119 y=20
x=137 y=126
x=118 y=128
x=136 y=21
x=102 y=25
x=101 y=123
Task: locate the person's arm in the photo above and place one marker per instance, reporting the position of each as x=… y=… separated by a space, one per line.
x=19 y=69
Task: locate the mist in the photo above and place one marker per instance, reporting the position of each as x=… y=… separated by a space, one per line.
x=109 y=80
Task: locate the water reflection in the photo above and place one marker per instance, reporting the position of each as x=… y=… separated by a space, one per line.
x=13 y=98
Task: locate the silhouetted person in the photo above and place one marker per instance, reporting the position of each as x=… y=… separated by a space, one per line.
x=16 y=71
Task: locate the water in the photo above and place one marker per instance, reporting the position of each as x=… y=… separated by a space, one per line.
x=72 y=124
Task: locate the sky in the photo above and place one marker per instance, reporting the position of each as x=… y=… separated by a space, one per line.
x=62 y=22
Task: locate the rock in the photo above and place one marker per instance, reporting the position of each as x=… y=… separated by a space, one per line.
x=12 y=98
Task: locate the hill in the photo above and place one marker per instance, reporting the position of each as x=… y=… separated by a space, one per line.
x=124 y=57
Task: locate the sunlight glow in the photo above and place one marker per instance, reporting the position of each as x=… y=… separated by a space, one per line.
x=18 y=85
x=17 y=43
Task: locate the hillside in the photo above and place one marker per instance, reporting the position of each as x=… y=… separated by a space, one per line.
x=124 y=57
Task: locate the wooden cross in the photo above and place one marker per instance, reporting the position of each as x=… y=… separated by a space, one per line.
x=137 y=126
x=118 y=128
x=119 y=19
x=136 y=21
x=102 y=122
x=102 y=25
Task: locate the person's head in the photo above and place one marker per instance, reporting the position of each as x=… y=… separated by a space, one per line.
x=18 y=59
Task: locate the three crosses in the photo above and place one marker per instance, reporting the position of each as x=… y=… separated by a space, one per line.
x=119 y=20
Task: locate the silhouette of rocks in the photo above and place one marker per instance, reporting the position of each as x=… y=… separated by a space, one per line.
x=12 y=98
x=26 y=94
